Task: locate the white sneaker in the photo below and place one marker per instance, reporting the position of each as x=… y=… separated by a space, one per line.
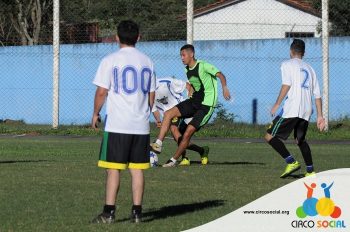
x=170 y=164
x=156 y=148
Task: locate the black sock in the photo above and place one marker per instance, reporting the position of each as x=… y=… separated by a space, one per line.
x=136 y=209
x=110 y=209
x=196 y=148
x=306 y=152
x=279 y=146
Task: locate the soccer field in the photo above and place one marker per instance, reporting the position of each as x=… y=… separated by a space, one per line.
x=53 y=183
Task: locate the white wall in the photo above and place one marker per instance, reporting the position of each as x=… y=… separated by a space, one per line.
x=253 y=19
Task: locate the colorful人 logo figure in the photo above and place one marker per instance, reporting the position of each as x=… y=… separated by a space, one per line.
x=324 y=206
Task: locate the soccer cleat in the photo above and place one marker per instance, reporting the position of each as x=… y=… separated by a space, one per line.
x=169 y=164
x=185 y=162
x=104 y=218
x=295 y=166
x=156 y=148
x=310 y=174
x=204 y=156
x=136 y=217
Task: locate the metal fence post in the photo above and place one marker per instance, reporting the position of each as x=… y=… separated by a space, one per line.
x=190 y=21
x=325 y=61
x=56 y=63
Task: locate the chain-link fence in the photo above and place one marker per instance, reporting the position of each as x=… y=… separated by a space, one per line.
x=247 y=40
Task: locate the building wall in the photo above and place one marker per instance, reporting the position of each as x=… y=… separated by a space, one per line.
x=253 y=19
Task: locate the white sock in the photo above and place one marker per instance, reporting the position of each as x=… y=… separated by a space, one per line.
x=173 y=160
x=159 y=142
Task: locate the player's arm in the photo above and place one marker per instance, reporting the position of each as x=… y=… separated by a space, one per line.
x=151 y=96
x=100 y=96
x=283 y=93
x=189 y=89
x=318 y=102
x=156 y=115
x=320 y=119
x=225 y=90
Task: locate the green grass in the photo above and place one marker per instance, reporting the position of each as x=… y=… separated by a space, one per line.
x=338 y=130
x=53 y=184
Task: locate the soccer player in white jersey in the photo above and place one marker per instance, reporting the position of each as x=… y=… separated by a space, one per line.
x=126 y=79
x=169 y=93
x=299 y=84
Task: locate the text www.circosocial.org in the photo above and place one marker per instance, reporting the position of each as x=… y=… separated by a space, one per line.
x=256 y=212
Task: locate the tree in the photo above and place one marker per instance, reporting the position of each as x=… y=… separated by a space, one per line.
x=26 y=18
x=222 y=115
x=339 y=16
x=6 y=28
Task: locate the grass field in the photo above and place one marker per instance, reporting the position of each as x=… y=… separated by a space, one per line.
x=53 y=184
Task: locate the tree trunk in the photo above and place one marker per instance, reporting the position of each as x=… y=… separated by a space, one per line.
x=27 y=20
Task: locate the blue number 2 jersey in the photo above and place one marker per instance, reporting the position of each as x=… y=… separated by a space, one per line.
x=303 y=83
x=128 y=74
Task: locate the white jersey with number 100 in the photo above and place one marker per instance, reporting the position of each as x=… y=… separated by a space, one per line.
x=128 y=74
x=303 y=83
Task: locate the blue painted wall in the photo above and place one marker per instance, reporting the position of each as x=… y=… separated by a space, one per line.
x=252 y=68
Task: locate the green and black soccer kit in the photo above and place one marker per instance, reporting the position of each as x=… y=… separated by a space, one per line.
x=200 y=105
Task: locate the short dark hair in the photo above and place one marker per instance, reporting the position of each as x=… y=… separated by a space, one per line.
x=187 y=47
x=298 y=46
x=128 y=32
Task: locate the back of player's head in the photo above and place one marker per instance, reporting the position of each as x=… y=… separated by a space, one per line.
x=128 y=32
x=188 y=47
x=298 y=46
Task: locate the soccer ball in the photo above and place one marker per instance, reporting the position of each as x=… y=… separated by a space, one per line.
x=153 y=159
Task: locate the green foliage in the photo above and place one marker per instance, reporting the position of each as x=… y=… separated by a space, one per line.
x=339 y=15
x=222 y=115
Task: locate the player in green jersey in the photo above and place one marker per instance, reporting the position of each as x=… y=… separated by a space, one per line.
x=203 y=79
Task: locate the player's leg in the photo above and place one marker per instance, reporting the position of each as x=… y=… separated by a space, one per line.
x=175 y=131
x=206 y=112
x=200 y=118
x=138 y=161
x=300 y=135
x=168 y=116
x=193 y=147
x=184 y=109
x=112 y=187
x=281 y=129
x=186 y=137
x=137 y=187
x=113 y=160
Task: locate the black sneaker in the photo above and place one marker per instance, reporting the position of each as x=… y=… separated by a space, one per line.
x=104 y=218
x=136 y=217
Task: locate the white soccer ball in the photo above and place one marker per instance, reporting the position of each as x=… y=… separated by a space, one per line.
x=153 y=159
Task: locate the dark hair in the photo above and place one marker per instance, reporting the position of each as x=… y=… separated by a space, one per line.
x=298 y=46
x=128 y=32
x=187 y=47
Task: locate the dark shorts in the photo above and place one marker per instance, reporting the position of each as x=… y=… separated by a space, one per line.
x=283 y=127
x=180 y=124
x=121 y=151
x=199 y=113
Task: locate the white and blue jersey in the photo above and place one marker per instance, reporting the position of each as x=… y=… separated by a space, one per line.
x=128 y=75
x=169 y=93
x=303 y=83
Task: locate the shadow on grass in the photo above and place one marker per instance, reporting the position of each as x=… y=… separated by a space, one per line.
x=295 y=176
x=229 y=163
x=175 y=210
x=21 y=161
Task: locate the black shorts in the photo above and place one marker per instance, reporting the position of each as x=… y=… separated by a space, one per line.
x=180 y=124
x=121 y=151
x=201 y=114
x=283 y=127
